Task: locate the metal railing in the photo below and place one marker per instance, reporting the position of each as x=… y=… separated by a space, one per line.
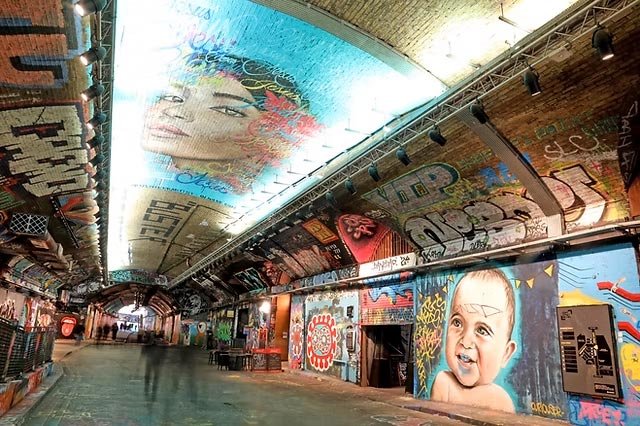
x=23 y=350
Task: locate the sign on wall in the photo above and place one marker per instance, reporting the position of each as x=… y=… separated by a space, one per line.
x=588 y=351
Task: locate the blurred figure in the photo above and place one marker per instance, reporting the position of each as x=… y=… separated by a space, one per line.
x=98 y=333
x=114 y=330
x=105 y=331
x=153 y=357
x=78 y=332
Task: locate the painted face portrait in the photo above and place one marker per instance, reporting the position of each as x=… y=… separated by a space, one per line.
x=479 y=329
x=228 y=118
x=199 y=122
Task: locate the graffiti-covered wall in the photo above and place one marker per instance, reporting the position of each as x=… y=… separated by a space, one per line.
x=608 y=275
x=327 y=323
x=483 y=337
x=489 y=337
x=390 y=302
x=296 y=333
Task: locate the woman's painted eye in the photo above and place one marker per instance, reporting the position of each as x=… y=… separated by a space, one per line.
x=456 y=322
x=229 y=111
x=172 y=98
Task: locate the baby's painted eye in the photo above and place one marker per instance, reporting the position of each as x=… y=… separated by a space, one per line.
x=228 y=111
x=483 y=331
x=171 y=98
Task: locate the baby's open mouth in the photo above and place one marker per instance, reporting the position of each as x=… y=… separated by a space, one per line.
x=465 y=358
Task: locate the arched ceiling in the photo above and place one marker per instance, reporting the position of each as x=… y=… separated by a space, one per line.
x=226 y=117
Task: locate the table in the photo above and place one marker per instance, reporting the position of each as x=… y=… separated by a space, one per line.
x=240 y=361
x=267 y=359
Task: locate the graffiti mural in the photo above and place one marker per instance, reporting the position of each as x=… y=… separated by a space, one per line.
x=326 y=323
x=387 y=304
x=608 y=275
x=362 y=235
x=296 y=332
x=220 y=116
x=322 y=341
x=474 y=344
x=190 y=301
x=502 y=219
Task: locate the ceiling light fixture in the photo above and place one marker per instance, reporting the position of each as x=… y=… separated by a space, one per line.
x=478 y=112
x=350 y=186
x=331 y=199
x=98 y=119
x=532 y=82
x=436 y=136
x=92 y=92
x=510 y=22
x=602 y=41
x=98 y=159
x=96 y=141
x=87 y=7
x=402 y=155
x=92 y=55
x=373 y=172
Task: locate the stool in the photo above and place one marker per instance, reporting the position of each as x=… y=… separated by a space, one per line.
x=223 y=361
x=212 y=357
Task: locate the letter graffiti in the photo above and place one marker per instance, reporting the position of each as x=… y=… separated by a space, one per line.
x=506 y=218
x=428 y=337
x=629 y=136
x=36 y=42
x=418 y=189
x=43 y=146
x=161 y=219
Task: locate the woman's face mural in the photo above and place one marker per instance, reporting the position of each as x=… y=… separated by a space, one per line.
x=199 y=122
x=228 y=118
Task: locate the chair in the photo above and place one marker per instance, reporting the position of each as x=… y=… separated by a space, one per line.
x=223 y=360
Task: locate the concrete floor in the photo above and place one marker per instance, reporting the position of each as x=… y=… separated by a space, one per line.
x=133 y=385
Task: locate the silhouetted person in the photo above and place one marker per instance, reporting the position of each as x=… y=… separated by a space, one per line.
x=98 y=333
x=105 y=331
x=114 y=331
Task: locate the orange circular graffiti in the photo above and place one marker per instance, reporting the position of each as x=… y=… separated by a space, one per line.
x=322 y=341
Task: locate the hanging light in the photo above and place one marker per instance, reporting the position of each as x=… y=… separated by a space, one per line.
x=373 y=172
x=92 y=92
x=98 y=119
x=436 y=136
x=92 y=55
x=350 y=186
x=98 y=159
x=331 y=199
x=478 y=112
x=402 y=155
x=300 y=216
x=96 y=141
x=87 y=7
x=602 y=41
x=531 y=82
x=289 y=222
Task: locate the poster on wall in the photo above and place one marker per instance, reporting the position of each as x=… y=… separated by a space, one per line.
x=588 y=351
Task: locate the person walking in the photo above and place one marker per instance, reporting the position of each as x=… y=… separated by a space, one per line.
x=114 y=330
x=105 y=331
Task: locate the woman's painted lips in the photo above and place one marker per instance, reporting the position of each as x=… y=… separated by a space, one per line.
x=166 y=130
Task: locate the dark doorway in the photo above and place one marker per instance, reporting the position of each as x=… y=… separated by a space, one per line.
x=385 y=355
x=243 y=320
